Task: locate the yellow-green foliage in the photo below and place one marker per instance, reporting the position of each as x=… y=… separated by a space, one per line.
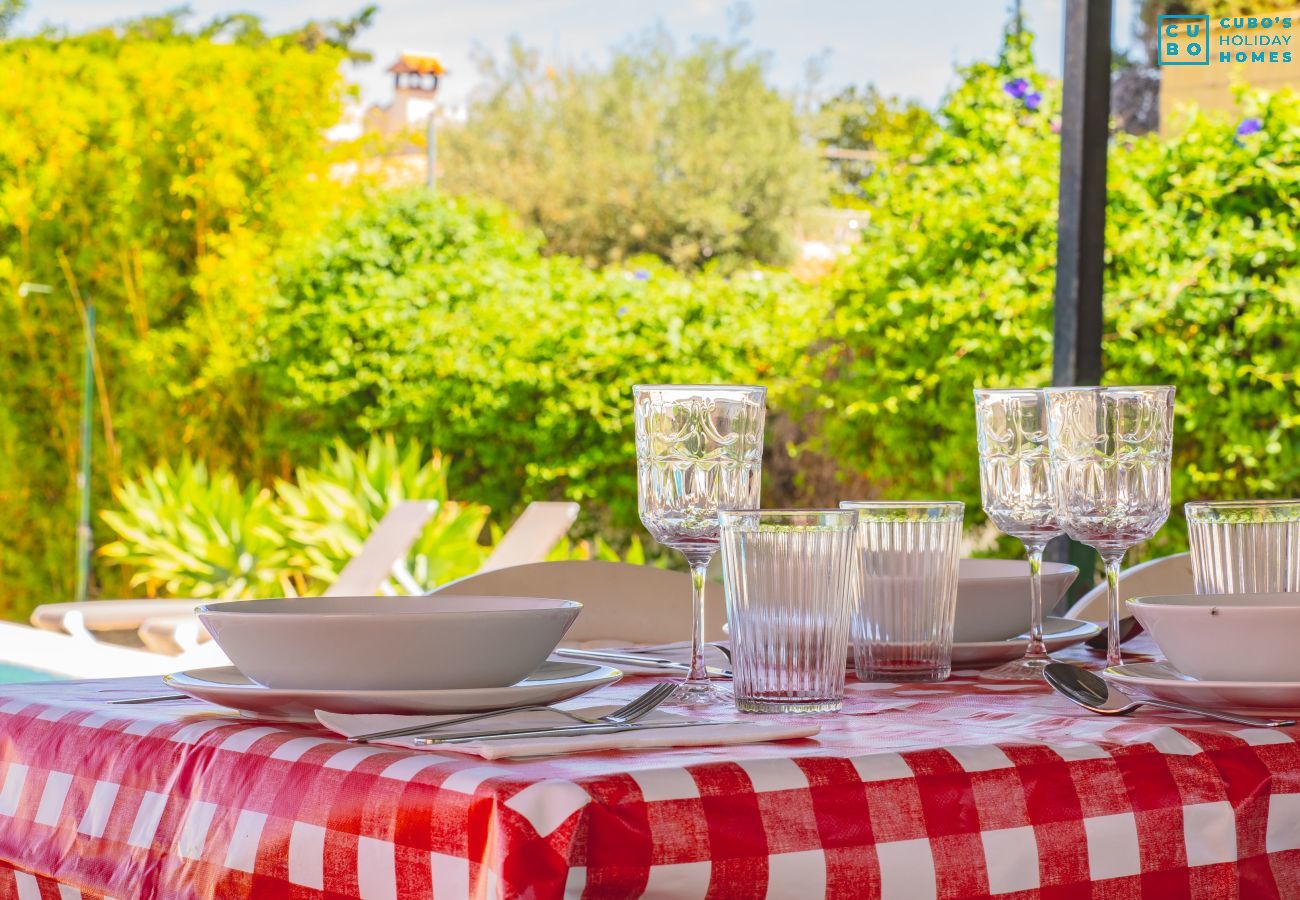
x=437 y=320
x=952 y=289
x=158 y=177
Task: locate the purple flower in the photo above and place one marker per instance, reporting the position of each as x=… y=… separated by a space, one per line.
x=1249 y=126
x=621 y=311
x=1017 y=88
x=1033 y=99
x=641 y=275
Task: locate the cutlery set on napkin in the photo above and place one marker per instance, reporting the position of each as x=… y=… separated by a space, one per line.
x=473 y=675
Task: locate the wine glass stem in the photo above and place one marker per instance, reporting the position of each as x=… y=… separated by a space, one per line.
x=699 y=568
x=1112 y=561
x=1036 y=648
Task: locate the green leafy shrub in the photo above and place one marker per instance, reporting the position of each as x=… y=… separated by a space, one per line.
x=156 y=172
x=952 y=289
x=186 y=532
x=330 y=510
x=518 y=365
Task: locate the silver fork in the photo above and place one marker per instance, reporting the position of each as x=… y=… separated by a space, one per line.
x=630 y=712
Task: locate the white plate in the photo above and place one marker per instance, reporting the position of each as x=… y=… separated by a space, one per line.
x=1057 y=635
x=227 y=686
x=1161 y=681
x=388 y=643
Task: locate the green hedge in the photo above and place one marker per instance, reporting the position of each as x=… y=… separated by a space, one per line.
x=436 y=320
x=952 y=289
x=157 y=177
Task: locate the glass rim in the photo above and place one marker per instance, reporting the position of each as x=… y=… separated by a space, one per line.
x=916 y=511
x=1224 y=504
x=902 y=504
x=979 y=391
x=785 y=513
x=699 y=387
x=1110 y=388
x=1209 y=508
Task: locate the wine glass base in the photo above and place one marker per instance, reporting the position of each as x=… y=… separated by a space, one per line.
x=1027 y=668
x=700 y=693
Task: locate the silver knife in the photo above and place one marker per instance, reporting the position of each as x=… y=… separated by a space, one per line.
x=636 y=659
x=558 y=731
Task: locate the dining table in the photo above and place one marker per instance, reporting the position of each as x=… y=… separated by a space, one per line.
x=964 y=788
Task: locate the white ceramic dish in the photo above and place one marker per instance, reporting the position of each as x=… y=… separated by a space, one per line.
x=993 y=597
x=227 y=686
x=1226 y=637
x=1058 y=634
x=439 y=642
x=1161 y=681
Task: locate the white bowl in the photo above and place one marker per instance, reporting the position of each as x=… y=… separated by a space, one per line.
x=439 y=642
x=1226 y=637
x=993 y=597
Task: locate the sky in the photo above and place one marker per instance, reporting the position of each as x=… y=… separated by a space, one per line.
x=906 y=49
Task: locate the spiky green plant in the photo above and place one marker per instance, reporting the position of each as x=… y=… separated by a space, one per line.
x=329 y=511
x=191 y=533
x=186 y=532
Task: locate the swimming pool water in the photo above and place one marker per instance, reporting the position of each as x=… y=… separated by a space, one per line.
x=10 y=674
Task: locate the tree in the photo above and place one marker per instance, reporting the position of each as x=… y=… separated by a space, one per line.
x=690 y=156
x=157 y=171
x=10 y=10
x=952 y=289
x=867 y=120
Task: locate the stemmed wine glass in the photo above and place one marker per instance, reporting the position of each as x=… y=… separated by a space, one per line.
x=1111 y=449
x=1016 y=489
x=699 y=448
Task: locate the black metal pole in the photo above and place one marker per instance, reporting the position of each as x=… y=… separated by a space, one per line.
x=1081 y=226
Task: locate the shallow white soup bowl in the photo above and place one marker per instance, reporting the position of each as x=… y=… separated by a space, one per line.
x=1226 y=637
x=993 y=597
x=440 y=642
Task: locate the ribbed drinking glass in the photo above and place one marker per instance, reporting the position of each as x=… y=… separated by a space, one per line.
x=1016 y=489
x=789 y=580
x=1245 y=546
x=1111 y=450
x=907 y=593
x=699 y=448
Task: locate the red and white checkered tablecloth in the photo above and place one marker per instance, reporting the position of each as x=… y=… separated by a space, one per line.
x=961 y=789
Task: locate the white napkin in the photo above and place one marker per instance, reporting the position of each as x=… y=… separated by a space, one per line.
x=741 y=732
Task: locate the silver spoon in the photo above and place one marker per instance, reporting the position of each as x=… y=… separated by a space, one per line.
x=1094 y=693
